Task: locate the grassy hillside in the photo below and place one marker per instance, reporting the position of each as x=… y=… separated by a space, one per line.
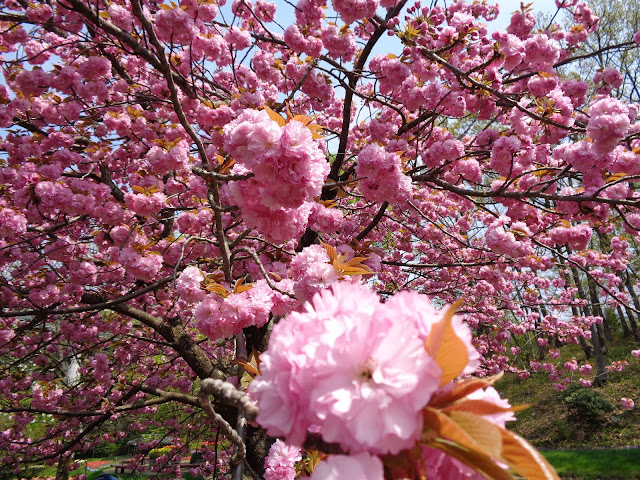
x=549 y=423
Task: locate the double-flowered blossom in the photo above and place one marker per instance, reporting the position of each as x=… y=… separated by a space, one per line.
x=250 y=136
x=280 y=463
x=578 y=236
x=288 y=168
x=609 y=122
x=356 y=367
x=12 y=224
x=352 y=10
x=513 y=242
x=382 y=179
x=218 y=317
x=188 y=284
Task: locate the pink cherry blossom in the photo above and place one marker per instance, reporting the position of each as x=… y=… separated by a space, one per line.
x=504 y=241
x=251 y=135
x=188 y=284
x=384 y=180
x=609 y=122
x=358 y=466
x=280 y=463
x=342 y=388
x=586 y=369
x=223 y=317
x=627 y=403
x=352 y=10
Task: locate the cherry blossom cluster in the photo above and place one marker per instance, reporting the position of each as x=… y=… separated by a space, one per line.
x=382 y=178
x=357 y=372
x=288 y=168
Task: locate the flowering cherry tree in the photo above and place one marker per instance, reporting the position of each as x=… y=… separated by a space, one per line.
x=272 y=227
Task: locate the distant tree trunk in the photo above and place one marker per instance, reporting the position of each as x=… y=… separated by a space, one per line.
x=604 y=329
x=626 y=331
x=64 y=465
x=514 y=341
x=602 y=375
x=587 y=348
x=636 y=304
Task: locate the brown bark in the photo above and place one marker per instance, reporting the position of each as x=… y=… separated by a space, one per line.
x=604 y=330
x=64 y=466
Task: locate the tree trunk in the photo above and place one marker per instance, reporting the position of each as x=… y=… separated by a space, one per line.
x=602 y=375
x=636 y=304
x=587 y=348
x=604 y=329
x=626 y=331
x=64 y=466
x=514 y=341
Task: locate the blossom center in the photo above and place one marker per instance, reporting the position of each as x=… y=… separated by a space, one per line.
x=365 y=374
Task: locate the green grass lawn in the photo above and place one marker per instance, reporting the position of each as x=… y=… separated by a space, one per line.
x=595 y=464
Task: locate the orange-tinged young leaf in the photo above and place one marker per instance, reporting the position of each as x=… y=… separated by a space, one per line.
x=326 y=203
x=355 y=261
x=444 y=345
x=311 y=461
x=615 y=177
x=316 y=131
x=444 y=427
x=216 y=288
x=275 y=275
x=275 y=116
x=479 y=461
x=353 y=266
x=238 y=284
x=242 y=288
x=226 y=165
x=252 y=365
x=304 y=119
x=485 y=433
x=564 y=222
x=354 y=271
x=462 y=388
x=481 y=407
x=333 y=255
x=288 y=110
x=524 y=459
